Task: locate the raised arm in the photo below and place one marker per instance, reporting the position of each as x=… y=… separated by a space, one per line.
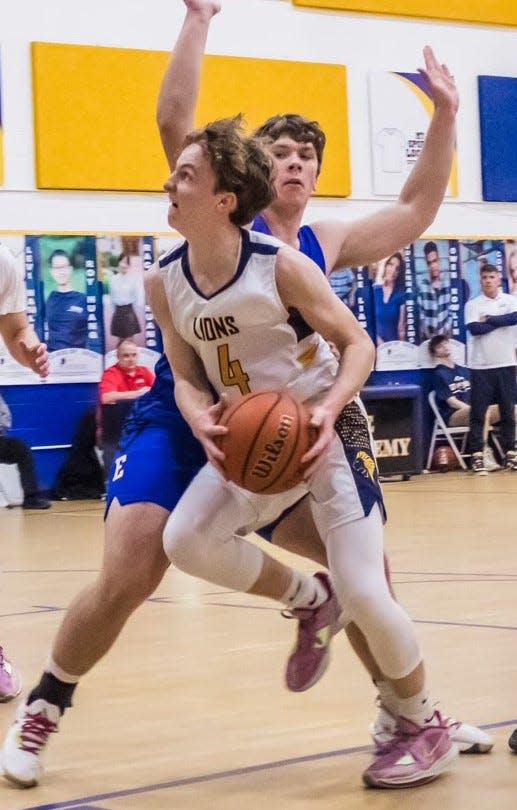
x=375 y=236
x=180 y=84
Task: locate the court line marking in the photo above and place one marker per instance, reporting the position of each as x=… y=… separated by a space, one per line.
x=228 y=774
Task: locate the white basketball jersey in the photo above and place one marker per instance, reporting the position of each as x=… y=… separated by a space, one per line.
x=246 y=339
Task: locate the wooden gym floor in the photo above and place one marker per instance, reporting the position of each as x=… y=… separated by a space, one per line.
x=188 y=711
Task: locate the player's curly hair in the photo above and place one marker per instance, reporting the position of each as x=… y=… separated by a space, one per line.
x=297 y=127
x=240 y=164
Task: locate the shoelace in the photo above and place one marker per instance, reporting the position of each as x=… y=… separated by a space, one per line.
x=35 y=731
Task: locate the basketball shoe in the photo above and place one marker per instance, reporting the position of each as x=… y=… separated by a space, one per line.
x=10 y=681
x=21 y=755
x=414 y=756
x=469 y=739
x=310 y=656
x=510 y=460
x=478 y=464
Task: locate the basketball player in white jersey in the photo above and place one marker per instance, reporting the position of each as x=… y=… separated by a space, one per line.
x=296 y=146
x=280 y=304
x=24 y=345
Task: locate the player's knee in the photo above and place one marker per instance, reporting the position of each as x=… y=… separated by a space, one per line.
x=361 y=606
x=183 y=543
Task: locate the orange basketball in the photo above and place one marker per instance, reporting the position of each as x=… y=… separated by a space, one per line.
x=268 y=433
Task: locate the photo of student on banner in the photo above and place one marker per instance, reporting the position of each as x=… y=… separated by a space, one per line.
x=122 y=260
x=393 y=304
x=71 y=313
x=440 y=296
x=473 y=255
x=510 y=249
x=18 y=253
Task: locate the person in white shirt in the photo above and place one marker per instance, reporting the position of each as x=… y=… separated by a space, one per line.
x=491 y=322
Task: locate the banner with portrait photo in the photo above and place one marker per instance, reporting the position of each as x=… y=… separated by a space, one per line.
x=401 y=109
x=440 y=296
x=474 y=253
x=70 y=314
x=393 y=292
x=352 y=286
x=122 y=261
x=510 y=266
x=25 y=254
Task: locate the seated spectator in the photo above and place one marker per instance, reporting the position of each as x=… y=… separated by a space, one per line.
x=16 y=451
x=451 y=383
x=120 y=384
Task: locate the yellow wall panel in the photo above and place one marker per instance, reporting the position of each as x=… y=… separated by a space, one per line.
x=496 y=12
x=94 y=112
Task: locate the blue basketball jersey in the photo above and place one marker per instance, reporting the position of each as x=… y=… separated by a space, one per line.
x=309 y=245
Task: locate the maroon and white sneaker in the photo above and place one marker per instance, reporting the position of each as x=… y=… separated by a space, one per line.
x=21 y=755
x=469 y=739
x=415 y=755
x=310 y=656
x=10 y=681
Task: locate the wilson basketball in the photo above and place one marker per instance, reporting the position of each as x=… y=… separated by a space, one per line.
x=444 y=459
x=268 y=433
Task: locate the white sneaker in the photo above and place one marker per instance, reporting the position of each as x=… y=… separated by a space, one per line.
x=469 y=739
x=21 y=754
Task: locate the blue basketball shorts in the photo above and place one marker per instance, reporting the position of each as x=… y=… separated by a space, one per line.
x=154 y=465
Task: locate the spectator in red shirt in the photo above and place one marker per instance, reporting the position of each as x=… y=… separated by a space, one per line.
x=126 y=379
x=120 y=384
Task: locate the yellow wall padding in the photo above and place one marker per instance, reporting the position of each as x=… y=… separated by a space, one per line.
x=495 y=12
x=94 y=112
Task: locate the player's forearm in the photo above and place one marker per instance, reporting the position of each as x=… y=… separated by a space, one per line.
x=180 y=84
x=425 y=187
x=192 y=400
x=356 y=365
x=15 y=338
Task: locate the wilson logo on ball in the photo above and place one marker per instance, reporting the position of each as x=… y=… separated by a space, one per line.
x=273 y=450
x=269 y=432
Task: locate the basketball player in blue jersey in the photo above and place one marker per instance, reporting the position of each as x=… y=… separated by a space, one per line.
x=142 y=495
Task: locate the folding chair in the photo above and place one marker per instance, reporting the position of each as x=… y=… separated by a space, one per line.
x=450 y=434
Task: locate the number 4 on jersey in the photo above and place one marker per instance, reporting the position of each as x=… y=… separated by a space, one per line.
x=231 y=370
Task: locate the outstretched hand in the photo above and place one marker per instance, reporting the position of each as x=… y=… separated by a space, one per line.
x=441 y=82
x=36 y=358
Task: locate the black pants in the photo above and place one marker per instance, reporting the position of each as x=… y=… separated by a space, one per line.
x=498 y=386
x=15 y=451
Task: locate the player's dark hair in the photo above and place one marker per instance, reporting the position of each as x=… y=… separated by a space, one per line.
x=297 y=127
x=240 y=163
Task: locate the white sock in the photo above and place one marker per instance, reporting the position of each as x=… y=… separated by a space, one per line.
x=60 y=674
x=388 y=697
x=304 y=592
x=417 y=708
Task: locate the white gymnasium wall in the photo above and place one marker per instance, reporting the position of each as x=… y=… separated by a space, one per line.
x=262 y=28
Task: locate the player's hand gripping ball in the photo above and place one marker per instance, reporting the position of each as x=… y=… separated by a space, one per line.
x=268 y=434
